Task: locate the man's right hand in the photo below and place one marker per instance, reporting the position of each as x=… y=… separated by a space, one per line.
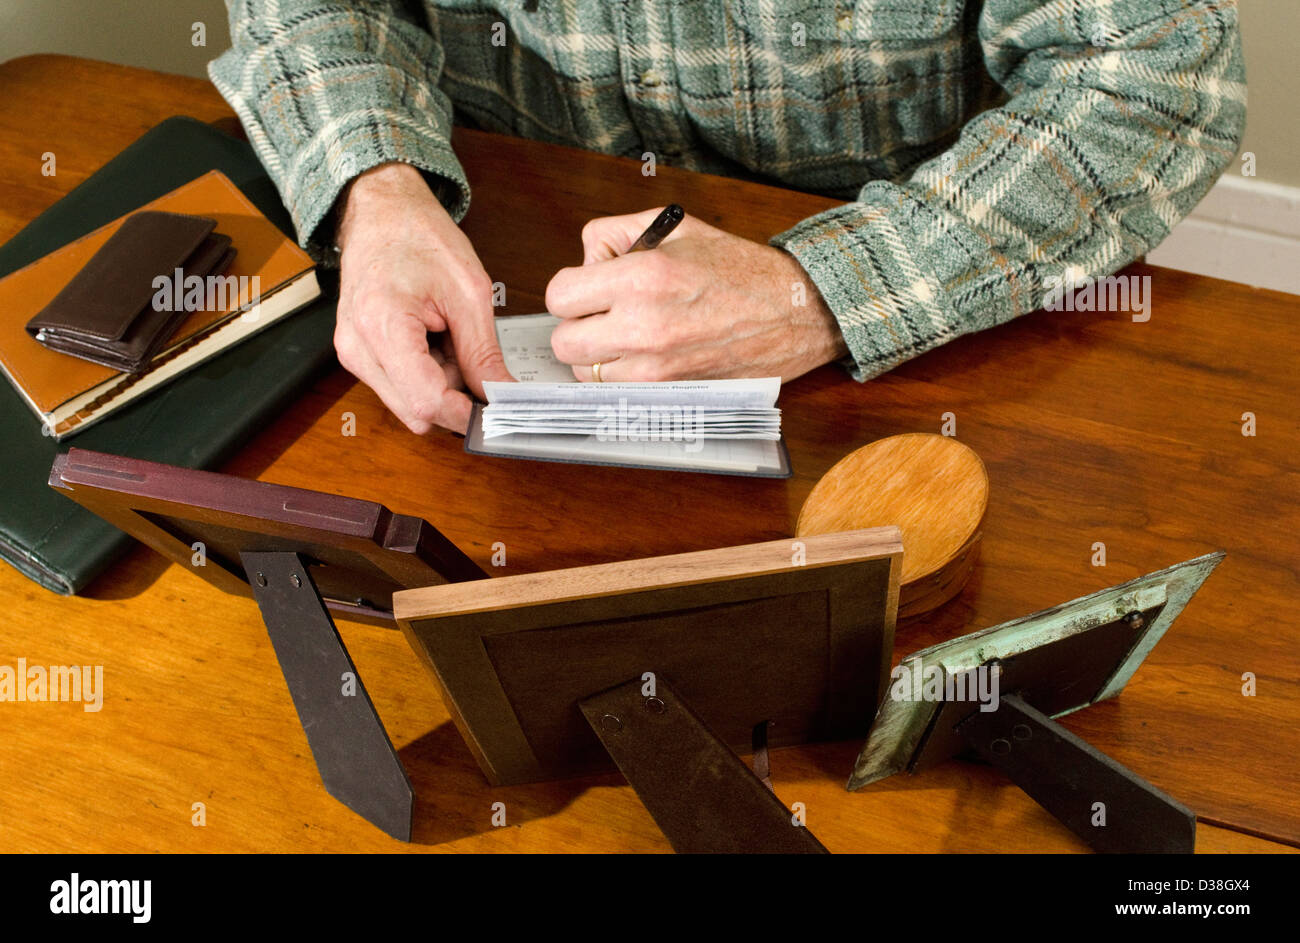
x=407 y=270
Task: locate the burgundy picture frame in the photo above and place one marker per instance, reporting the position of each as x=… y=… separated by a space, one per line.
x=362 y=548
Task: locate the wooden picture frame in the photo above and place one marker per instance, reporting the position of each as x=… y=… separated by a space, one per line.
x=798 y=632
x=1059 y=660
x=359 y=552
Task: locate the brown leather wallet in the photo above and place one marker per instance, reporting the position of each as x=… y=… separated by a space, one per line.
x=109 y=312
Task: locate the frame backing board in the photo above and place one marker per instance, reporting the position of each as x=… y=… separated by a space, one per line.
x=360 y=552
x=798 y=632
x=1058 y=660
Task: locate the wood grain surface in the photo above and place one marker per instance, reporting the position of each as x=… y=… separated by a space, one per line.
x=646 y=573
x=795 y=634
x=1093 y=429
x=932 y=487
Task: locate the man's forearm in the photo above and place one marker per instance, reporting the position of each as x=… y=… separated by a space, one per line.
x=1102 y=147
x=371 y=194
x=379 y=105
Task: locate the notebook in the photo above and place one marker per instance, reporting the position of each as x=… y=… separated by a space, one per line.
x=69 y=394
x=198 y=420
x=733 y=429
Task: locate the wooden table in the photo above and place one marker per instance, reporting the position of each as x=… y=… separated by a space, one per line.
x=1093 y=428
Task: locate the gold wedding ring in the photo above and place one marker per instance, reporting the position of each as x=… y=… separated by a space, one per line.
x=595 y=371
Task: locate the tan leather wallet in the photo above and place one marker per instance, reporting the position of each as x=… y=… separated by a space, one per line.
x=108 y=313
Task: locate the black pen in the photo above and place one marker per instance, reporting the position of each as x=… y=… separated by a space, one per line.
x=657 y=231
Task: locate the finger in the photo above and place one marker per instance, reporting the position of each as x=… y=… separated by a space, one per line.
x=358 y=360
x=585 y=340
x=414 y=373
x=441 y=406
x=638 y=369
x=608 y=236
x=581 y=290
x=456 y=411
x=413 y=385
x=472 y=341
x=657 y=366
x=442 y=352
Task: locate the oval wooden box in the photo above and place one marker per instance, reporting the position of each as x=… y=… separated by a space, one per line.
x=934 y=488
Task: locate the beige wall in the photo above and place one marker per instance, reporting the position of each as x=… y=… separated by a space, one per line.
x=1270 y=33
x=157 y=34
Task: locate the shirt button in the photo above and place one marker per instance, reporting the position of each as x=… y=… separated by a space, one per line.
x=650 y=78
x=845 y=22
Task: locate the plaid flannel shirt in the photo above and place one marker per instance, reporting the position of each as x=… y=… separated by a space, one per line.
x=983 y=149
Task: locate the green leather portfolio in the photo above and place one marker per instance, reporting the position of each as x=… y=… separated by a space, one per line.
x=197 y=420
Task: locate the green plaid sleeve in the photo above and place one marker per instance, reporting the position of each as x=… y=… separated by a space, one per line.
x=327 y=90
x=1119 y=116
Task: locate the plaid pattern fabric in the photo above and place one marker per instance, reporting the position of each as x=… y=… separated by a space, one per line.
x=982 y=148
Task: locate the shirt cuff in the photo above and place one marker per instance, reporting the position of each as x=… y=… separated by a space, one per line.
x=355 y=146
x=858 y=257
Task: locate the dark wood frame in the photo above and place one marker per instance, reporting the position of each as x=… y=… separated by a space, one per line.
x=450 y=627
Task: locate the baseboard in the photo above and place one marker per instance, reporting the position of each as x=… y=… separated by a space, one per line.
x=1245 y=230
